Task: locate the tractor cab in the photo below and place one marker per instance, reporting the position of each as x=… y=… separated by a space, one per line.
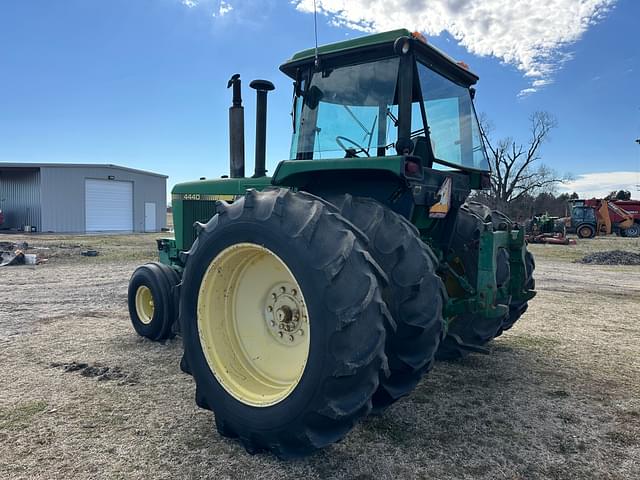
x=391 y=95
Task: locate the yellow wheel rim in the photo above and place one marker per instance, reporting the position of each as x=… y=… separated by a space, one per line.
x=144 y=304
x=253 y=324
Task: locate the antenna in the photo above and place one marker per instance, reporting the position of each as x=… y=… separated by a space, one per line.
x=315 y=31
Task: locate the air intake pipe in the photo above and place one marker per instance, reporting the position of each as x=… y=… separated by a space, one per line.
x=262 y=87
x=236 y=130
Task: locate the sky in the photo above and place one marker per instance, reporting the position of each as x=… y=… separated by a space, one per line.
x=142 y=83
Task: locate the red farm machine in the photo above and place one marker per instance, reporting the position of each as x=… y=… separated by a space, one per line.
x=603 y=217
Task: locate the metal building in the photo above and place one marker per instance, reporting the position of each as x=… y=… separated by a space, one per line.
x=58 y=197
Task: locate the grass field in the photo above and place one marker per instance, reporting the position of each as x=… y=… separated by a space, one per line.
x=81 y=396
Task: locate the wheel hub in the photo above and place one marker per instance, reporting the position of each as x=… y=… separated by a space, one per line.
x=283 y=316
x=244 y=289
x=144 y=304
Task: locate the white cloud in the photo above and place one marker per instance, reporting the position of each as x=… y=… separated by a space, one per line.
x=223 y=9
x=525 y=92
x=532 y=35
x=599 y=185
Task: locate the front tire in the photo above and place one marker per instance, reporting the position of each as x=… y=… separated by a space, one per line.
x=288 y=399
x=151 y=302
x=585 y=231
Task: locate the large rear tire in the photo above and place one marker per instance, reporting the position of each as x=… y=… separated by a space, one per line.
x=414 y=293
x=151 y=301
x=518 y=307
x=469 y=332
x=270 y=261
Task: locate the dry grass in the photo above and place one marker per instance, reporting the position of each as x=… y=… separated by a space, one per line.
x=111 y=248
x=584 y=247
x=559 y=396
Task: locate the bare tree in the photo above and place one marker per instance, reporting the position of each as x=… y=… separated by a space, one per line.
x=516 y=170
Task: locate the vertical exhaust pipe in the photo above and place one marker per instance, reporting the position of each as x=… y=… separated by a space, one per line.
x=262 y=87
x=236 y=130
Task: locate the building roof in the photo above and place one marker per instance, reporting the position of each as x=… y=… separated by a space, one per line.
x=79 y=165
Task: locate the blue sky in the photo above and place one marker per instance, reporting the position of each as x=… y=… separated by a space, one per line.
x=143 y=83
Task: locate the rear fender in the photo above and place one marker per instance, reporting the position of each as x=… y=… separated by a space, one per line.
x=386 y=179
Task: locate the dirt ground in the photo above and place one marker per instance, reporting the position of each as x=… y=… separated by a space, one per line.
x=81 y=396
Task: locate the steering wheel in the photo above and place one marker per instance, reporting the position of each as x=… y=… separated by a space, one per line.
x=351 y=152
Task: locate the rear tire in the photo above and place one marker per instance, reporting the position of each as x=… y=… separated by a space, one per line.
x=152 y=307
x=414 y=295
x=518 y=307
x=633 y=231
x=330 y=388
x=469 y=332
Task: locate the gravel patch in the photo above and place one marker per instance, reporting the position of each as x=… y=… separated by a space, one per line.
x=611 y=257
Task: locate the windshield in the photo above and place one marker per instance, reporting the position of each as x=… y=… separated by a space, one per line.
x=453 y=125
x=344 y=109
x=584 y=213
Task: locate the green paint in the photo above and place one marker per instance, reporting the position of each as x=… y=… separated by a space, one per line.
x=339 y=47
x=195 y=201
x=485 y=298
x=296 y=172
x=221 y=186
x=168 y=253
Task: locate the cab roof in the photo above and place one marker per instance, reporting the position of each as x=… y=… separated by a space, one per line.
x=383 y=41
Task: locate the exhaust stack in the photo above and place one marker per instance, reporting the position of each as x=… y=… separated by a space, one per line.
x=236 y=130
x=262 y=87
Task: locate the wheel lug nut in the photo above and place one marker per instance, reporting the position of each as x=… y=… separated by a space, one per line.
x=280 y=334
x=272 y=323
x=274 y=296
x=294 y=292
x=281 y=326
x=291 y=338
x=270 y=308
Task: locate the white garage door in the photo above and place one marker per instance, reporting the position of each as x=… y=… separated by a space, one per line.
x=108 y=206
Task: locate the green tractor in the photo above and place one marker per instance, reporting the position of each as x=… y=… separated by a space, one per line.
x=308 y=299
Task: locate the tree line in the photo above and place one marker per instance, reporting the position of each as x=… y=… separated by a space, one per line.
x=522 y=186
x=527 y=206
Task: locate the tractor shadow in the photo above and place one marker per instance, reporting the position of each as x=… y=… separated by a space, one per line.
x=506 y=410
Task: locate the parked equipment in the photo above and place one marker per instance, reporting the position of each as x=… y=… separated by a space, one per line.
x=547 y=229
x=604 y=217
x=308 y=298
